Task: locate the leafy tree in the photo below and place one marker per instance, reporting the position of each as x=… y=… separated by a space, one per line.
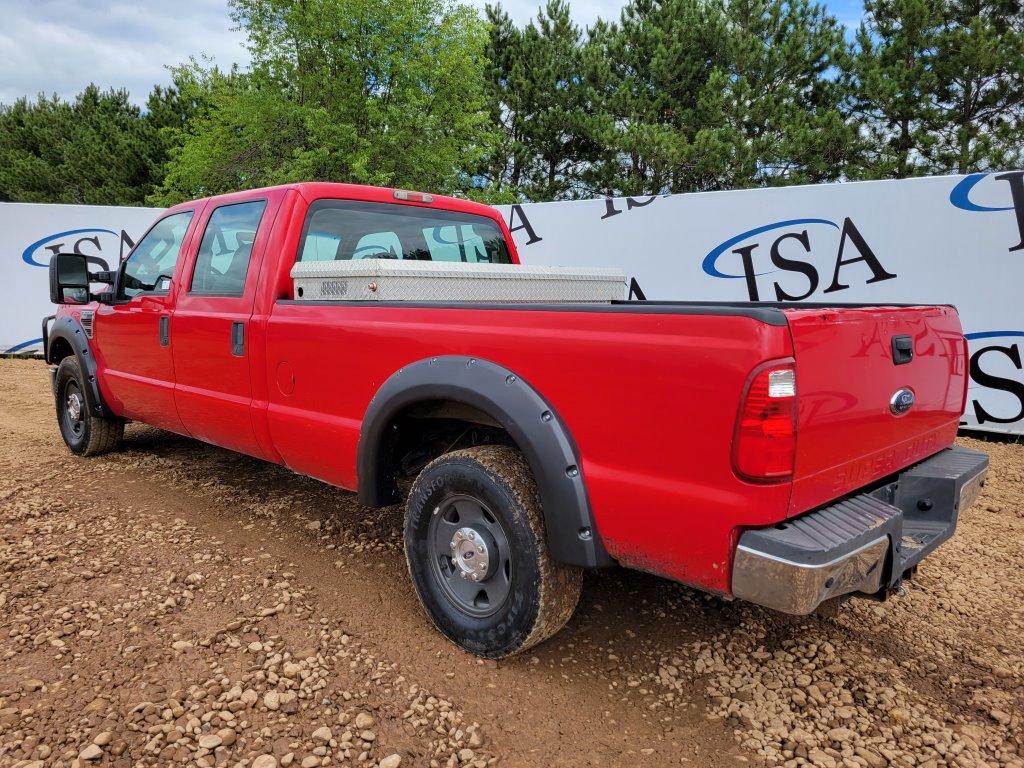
x=382 y=92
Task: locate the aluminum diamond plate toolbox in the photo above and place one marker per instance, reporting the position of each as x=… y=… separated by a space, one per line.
x=392 y=280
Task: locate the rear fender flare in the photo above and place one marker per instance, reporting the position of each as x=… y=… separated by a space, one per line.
x=70 y=330
x=533 y=424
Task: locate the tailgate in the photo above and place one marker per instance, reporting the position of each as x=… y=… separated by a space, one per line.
x=849 y=432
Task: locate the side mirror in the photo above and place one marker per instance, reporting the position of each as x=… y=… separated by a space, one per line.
x=69 y=279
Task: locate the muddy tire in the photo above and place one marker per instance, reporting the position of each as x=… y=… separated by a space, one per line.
x=83 y=432
x=478 y=556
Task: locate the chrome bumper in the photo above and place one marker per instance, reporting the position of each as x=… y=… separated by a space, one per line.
x=798 y=588
x=864 y=544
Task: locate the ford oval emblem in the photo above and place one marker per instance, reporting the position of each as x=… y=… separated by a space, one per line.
x=901 y=401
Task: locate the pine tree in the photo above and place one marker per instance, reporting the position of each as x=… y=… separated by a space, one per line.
x=782 y=103
x=538 y=92
x=658 y=80
x=893 y=83
x=93 y=150
x=979 y=66
x=504 y=168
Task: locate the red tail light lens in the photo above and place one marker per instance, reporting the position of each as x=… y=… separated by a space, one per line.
x=765 y=444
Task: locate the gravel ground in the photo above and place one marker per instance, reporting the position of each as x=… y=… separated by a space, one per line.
x=176 y=604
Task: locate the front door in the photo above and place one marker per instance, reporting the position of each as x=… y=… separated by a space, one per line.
x=133 y=333
x=213 y=391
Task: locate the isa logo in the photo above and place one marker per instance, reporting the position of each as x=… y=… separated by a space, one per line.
x=990 y=193
x=793 y=258
x=98 y=245
x=997 y=377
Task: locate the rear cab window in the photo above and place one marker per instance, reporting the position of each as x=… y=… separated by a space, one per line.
x=347 y=230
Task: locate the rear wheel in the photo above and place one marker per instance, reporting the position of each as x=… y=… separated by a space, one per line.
x=83 y=433
x=477 y=553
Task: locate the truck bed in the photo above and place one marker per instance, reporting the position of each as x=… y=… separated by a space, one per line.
x=649 y=391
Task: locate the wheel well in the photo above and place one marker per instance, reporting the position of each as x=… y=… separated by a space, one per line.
x=59 y=349
x=422 y=431
x=437 y=404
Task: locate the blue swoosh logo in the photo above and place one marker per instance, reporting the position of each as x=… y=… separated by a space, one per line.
x=992 y=334
x=711 y=268
x=960 y=196
x=23 y=345
x=26 y=255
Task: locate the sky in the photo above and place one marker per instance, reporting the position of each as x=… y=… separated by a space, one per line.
x=60 y=46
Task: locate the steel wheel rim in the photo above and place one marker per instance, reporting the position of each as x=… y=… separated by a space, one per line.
x=74 y=409
x=451 y=566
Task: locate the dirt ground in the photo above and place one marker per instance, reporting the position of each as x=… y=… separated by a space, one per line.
x=176 y=604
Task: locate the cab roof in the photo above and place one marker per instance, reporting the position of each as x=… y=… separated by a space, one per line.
x=316 y=190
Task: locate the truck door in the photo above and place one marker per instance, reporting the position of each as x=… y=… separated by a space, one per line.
x=133 y=333
x=213 y=388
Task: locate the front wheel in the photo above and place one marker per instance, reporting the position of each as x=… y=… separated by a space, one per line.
x=478 y=556
x=83 y=433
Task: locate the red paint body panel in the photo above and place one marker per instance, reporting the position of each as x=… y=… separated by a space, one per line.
x=663 y=501
x=651 y=399
x=846 y=434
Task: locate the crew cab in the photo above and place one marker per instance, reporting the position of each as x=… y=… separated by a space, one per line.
x=780 y=454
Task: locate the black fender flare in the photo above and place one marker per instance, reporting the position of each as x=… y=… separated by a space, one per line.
x=70 y=330
x=532 y=423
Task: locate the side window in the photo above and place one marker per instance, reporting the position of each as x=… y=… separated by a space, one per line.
x=223 y=259
x=150 y=266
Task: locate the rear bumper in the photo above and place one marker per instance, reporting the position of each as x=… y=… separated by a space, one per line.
x=863 y=544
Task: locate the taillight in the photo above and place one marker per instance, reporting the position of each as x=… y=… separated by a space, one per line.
x=965 y=370
x=765 y=443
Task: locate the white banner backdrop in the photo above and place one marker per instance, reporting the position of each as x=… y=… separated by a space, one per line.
x=30 y=233
x=951 y=240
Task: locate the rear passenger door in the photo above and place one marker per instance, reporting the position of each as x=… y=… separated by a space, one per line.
x=210 y=325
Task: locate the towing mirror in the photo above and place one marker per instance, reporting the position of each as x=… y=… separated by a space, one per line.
x=69 y=279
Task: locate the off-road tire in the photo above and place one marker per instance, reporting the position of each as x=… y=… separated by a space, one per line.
x=542 y=594
x=89 y=435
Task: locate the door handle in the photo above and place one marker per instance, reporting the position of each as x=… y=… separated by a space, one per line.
x=238 y=338
x=165 y=330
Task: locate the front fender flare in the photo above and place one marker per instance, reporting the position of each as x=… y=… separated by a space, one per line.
x=532 y=423
x=70 y=329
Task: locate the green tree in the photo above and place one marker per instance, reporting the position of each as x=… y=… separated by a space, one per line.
x=893 y=83
x=386 y=92
x=539 y=96
x=692 y=95
x=504 y=168
x=782 y=102
x=979 y=68
x=657 y=79
x=93 y=150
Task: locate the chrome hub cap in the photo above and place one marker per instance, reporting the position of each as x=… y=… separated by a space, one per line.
x=74 y=406
x=471 y=554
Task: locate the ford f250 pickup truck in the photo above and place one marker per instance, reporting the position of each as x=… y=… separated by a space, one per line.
x=781 y=454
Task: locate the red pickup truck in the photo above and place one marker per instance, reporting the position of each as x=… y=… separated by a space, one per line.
x=781 y=454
